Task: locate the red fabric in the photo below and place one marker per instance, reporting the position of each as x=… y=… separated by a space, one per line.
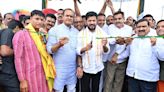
x=160 y=86
x=49 y=11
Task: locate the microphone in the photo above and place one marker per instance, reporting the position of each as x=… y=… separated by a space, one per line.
x=44 y=39
x=43 y=34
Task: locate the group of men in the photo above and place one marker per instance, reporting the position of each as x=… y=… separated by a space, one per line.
x=83 y=53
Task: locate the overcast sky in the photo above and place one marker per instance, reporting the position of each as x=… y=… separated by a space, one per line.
x=153 y=7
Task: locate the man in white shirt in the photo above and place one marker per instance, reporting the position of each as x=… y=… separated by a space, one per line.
x=143 y=64
x=160 y=32
x=150 y=19
x=116 y=66
x=101 y=23
x=91 y=50
x=62 y=45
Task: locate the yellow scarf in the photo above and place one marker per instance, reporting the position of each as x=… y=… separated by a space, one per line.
x=85 y=41
x=47 y=61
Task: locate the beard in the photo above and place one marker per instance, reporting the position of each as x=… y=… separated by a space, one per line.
x=92 y=27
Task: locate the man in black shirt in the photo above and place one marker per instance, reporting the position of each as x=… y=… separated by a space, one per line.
x=8 y=77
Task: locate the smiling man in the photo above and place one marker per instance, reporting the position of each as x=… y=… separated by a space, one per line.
x=50 y=21
x=62 y=45
x=160 y=32
x=143 y=65
x=34 y=66
x=78 y=23
x=91 y=50
x=116 y=66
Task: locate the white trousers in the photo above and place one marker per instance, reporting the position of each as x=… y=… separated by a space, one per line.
x=70 y=88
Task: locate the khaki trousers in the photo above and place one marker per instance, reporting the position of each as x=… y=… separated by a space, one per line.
x=114 y=77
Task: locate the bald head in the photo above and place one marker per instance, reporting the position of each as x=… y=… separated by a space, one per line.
x=78 y=22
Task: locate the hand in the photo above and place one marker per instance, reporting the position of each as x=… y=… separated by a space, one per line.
x=104 y=41
x=120 y=40
x=114 y=58
x=23 y=86
x=88 y=47
x=42 y=30
x=128 y=40
x=109 y=3
x=153 y=41
x=63 y=40
x=79 y=72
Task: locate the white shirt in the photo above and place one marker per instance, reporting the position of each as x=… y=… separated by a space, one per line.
x=125 y=31
x=160 y=48
x=105 y=29
x=143 y=62
x=92 y=59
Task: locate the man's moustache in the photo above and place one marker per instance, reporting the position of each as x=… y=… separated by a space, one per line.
x=91 y=25
x=141 y=31
x=118 y=22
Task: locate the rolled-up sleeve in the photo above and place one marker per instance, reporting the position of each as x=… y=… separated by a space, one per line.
x=79 y=44
x=52 y=39
x=160 y=49
x=120 y=48
x=125 y=53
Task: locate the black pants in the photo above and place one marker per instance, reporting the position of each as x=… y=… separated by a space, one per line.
x=9 y=82
x=78 y=85
x=141 y=86
x=90 y=82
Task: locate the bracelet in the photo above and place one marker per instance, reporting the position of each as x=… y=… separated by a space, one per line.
x=80 y=66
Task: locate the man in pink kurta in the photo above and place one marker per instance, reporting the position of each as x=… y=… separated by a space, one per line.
x=28 y=62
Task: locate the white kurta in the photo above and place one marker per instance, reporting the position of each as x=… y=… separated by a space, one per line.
x=143 y=61
x=92 y=59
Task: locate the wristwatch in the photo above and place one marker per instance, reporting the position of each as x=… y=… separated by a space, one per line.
x=79 y=65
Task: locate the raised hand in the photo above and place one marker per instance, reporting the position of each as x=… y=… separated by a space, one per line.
x=109 y=3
